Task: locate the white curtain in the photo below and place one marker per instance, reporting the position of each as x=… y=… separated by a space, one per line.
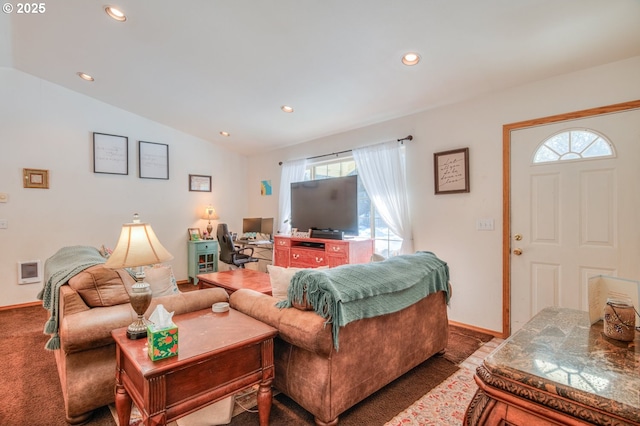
x=292 y=171
x=382 y=170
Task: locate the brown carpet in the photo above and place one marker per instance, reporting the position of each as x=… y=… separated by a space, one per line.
x=32 y=393
x=30 y=383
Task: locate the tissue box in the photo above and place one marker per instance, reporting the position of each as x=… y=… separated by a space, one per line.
x=163 y=342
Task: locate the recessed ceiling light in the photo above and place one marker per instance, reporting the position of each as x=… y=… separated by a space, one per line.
x=115 y=13
x=286 y=108
x=411 y=58
x=223 y=133
x=85 y=76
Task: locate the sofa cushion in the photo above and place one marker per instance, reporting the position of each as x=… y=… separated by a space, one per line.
x=99 y=286
x=161 y=280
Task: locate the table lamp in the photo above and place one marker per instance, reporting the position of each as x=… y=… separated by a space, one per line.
x=138 y=246
x=210 y=213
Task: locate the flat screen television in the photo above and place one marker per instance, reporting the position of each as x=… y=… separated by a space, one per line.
x=326 y=204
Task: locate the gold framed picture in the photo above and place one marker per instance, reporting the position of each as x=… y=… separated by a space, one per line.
x=35 y=178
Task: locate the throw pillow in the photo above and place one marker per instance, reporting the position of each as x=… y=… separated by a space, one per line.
x=161 y=280
x=100 y=286
x=280 y=278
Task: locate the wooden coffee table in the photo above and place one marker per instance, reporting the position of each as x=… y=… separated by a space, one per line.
x=219 y=354
x=236 y=279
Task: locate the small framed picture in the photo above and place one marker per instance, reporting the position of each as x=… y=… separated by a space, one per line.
x=194 y=234
x=35 y=178
x=200 y=183
x=451 y=169
x=153 y=160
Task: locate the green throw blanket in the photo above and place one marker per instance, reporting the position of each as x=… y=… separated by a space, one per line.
x=58 y=269
x=352 y=292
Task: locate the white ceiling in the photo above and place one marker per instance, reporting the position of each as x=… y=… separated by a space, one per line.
x=203 y=66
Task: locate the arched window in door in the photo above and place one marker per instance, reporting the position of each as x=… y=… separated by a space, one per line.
x=577 y=144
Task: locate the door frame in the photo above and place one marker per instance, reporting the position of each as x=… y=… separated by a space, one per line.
x=506 y=189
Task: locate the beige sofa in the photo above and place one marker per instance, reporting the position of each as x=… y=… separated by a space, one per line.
x=86 y=358
x=372 y=351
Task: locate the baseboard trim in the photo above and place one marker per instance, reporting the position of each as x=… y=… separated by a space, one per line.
x=478 y=329
x=21 y=305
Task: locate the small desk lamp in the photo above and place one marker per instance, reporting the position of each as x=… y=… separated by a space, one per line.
x=138 y=246
x=210 y=213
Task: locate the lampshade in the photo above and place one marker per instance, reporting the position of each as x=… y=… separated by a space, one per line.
x=137 y=246
x=210 y=213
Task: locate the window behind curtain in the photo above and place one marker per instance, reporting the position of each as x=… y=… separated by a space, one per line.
x=370 y=224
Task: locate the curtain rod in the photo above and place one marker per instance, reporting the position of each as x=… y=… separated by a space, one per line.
x=406 y=138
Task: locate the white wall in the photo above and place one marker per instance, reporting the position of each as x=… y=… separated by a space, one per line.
x=45 y=126
x=446 y=224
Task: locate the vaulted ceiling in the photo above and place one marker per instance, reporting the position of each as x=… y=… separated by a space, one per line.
x=211 y=66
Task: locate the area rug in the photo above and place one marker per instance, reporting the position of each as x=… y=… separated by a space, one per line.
x=444 y=405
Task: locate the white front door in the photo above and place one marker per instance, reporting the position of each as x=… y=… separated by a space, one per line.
x=573 y=219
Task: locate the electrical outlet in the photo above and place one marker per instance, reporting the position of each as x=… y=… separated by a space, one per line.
x=4 y=223
x=484 y=225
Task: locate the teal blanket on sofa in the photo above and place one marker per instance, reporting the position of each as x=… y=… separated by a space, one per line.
x=351 y=292
x=58 y=269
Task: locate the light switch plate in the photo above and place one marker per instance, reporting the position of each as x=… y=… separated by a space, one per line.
x=4 y=223
x=484 y=225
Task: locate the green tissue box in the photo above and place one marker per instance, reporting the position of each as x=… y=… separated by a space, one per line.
x=163 y=343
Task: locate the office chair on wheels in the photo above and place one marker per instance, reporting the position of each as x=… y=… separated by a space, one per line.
x=229 y=252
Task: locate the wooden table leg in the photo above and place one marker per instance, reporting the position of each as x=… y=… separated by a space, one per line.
x=123 y=405
x=265 y=397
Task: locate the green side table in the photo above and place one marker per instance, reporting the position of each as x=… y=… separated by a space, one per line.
x=203 y=258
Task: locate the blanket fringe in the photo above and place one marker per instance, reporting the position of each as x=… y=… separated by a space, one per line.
x=51 y=326
x=53 y=343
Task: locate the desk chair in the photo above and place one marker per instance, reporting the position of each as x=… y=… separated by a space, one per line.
x=229 y=252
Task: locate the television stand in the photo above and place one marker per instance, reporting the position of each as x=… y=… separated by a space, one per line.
x=302 y=252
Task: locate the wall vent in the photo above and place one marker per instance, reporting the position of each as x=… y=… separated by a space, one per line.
x=29 y=272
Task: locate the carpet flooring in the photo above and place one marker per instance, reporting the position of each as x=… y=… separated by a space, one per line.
x=33 y=396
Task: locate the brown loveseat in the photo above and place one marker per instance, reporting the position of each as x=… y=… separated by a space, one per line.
x=372 y=351
x=86 y=358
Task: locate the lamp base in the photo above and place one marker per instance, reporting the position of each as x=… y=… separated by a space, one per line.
x=137 y=329
x=140 y=298
x=135 y=335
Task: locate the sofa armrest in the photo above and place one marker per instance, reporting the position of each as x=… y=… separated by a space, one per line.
x=92 y=328
x=70 y=301
x=304 y=329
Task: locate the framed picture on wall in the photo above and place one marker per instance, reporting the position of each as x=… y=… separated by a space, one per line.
x=451 y=170
x=200 y=183
x=153 y=160
x=35 y=178
x=110 y=154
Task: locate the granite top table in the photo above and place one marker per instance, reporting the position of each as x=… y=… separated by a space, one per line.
x=560 y=368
